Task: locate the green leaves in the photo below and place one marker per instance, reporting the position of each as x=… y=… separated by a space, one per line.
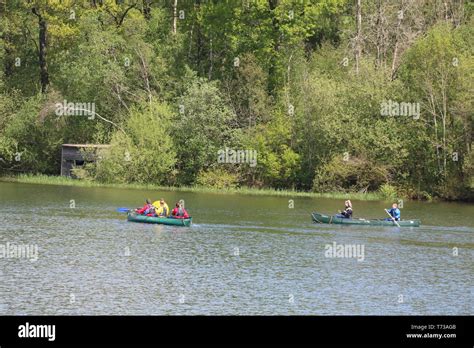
x=277 y=77
x=201 y=127
x=145 y=154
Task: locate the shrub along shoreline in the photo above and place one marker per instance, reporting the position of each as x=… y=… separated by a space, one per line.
x=65 y=181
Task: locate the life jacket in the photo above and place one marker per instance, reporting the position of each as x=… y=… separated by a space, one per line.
x=184 y=213
x=147 y=209
x=150 y=209
x=180 y=213
x=395 y=212
x=162 y=210
x=158 y=206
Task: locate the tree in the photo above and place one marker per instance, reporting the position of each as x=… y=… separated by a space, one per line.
x=144 y=154
x=201 y=128
x=437 y=69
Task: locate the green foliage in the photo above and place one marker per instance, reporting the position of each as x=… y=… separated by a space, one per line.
x=217 y=178
x=201 y=128
x=438 y=71
x=144 y=154
x=277 y=163
x=356 y=174
x=388 y=192
x=277 y=77
x=30 y=139
x=247 y=93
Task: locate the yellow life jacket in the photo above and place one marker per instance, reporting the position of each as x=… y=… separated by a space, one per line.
x=159 y=209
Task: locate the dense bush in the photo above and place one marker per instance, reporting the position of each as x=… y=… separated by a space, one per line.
x=388 y=191
x=355 y=174
x=200 y=128
x=143 y=152
x=217 y=178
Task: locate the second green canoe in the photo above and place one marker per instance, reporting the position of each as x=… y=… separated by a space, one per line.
x=329 y=219
x=131 y=216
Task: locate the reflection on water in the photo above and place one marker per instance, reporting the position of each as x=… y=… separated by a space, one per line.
x=243 y=255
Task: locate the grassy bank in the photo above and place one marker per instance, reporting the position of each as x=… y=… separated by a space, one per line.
x=65 y=181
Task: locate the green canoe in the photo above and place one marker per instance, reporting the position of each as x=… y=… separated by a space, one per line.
x=131 y=216
x=327 y=219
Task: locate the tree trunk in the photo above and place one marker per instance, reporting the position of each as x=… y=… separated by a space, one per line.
x=444 y=117
x=199 y=38
x=175 y=16
x=147 y=9
x=276 y=45
x=210 y=59
x=43 y=27
x=397 y=39
x=358 y=38
x=379 y=40
x=436 y=131
x=8 y=60
x=43 y=44
x=446 y=11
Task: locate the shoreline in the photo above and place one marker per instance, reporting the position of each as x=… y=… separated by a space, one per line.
x=66 y=181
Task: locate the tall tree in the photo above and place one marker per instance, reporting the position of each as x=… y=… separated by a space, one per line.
x=43 y=44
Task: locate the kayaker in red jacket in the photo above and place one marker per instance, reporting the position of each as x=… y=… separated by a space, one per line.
x=179 y=212
x=148 y=209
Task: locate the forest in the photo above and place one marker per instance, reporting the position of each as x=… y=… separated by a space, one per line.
x=328 y=95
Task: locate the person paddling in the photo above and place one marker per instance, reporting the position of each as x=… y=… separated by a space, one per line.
x=347 y=213
x=394 y=213
x=179 y=212
x=163 y=210
x=148 y=208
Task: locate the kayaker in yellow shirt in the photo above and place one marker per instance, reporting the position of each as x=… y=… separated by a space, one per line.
x=161 y=208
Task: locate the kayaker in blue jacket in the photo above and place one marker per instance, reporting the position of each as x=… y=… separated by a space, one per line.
x=394 y=212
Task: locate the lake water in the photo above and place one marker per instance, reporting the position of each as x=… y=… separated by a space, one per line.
x=242 y=255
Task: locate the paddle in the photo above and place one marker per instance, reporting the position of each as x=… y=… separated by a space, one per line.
x=123 y=210
x=393 y=219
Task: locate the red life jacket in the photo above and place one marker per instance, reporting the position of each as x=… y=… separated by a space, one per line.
x=180 y=213
x=147 y=209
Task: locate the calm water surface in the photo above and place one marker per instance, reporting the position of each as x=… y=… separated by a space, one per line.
x=243 y=255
